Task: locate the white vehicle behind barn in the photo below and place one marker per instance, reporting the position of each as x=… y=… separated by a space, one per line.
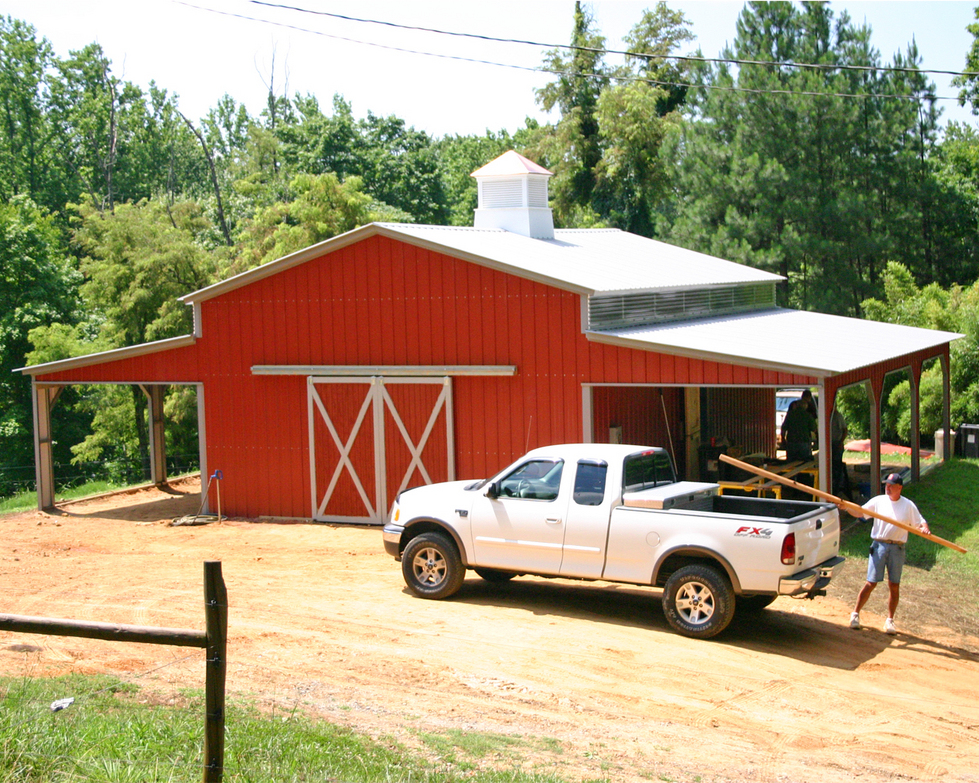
x=616 y=513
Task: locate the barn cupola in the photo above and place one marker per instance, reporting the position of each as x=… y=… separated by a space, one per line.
x=513 y=196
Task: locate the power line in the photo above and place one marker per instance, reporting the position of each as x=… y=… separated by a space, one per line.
x=573 y=74
x=592 y=50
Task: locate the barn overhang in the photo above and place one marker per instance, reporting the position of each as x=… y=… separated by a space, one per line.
x=54 y=373
x=136 y=365
x=833 y=351
x=792 y=341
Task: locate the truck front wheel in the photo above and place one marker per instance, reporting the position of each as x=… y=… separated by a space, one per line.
x=698 y=601
x=432 y=567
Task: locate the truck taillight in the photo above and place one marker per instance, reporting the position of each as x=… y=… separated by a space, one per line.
x=788 y=549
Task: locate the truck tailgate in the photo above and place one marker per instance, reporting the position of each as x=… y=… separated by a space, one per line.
x=817 y=536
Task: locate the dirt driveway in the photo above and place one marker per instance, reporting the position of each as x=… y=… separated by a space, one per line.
x=319 y=619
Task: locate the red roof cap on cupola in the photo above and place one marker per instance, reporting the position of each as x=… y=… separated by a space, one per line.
x=510 y=164
x=513 y=197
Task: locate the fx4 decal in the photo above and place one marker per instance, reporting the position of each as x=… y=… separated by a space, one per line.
x=753 y=532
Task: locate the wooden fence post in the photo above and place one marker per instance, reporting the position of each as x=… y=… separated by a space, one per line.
x=214 y=640
x=216 y=621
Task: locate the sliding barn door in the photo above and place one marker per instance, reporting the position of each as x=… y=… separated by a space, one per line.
x=371 y=438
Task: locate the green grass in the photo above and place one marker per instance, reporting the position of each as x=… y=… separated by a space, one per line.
x=112 y=735
x=886 y=459
x=25 y=501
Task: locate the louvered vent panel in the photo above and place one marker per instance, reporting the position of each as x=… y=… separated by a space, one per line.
x=537 y=192
x=502 y=194
x=647 y=308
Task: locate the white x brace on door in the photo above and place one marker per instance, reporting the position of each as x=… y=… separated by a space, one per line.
x=372 y=437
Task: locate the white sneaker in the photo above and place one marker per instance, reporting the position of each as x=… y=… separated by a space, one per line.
x=889 y=626
x=855 y=621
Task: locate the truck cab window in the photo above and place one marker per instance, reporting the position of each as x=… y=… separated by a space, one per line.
x=589 y=483
x=534 y=480
x=647 y=469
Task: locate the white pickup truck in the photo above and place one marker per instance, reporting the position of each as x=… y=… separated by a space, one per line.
x=616 y=513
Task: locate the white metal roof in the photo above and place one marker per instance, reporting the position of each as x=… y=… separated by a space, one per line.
x=586 y=261
x=590 y=260
x=795 y=341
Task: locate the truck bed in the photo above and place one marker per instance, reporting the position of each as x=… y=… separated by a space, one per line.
x=756 y=507
x=694 y=496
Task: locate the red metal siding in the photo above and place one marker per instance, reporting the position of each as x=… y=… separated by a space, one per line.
x=178 y=365
x=651 y=416
x=744 y=416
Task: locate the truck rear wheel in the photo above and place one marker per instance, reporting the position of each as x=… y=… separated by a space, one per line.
x=432 y=567
x=698 y=601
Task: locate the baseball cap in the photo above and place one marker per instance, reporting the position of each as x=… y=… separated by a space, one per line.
x=894 y=478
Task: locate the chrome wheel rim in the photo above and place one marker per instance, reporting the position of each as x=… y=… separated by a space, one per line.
x=695 y=603
x=429 y=566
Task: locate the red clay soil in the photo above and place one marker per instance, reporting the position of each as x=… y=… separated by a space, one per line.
x=320 y=621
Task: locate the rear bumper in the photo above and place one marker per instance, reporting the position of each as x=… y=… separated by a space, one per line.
x=392 y=540
x=812 y=579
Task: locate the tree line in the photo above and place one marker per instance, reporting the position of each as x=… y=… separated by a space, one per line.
x=113 y=203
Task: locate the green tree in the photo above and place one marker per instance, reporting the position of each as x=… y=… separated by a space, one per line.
x=953 y=309
x=24 y=154
x=571 y=149
x=399 y=166
x=136 y=262
x=969 y=79
x=38 y=286
x=780 y=167
x=605 y=151
x=320 y=207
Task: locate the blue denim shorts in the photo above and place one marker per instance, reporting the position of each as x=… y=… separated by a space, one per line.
x=889 y=556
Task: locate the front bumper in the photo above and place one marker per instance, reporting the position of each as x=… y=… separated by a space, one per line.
x=812 y=579
x=392 y=539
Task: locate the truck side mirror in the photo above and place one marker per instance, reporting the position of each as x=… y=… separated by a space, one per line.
x=492 y=490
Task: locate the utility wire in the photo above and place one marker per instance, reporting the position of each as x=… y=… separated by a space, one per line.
x=593 y=50
x=571 y=74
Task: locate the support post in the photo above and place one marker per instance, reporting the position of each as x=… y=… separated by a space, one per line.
x=157 y=429
x=216 y=617
x=825 y=464
x=44 y=399
x=946 y=405
x=915 y=378
x=875 y=390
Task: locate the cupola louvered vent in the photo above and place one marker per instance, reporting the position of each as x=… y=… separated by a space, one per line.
x=537 y=193
x=503 y=193
x=615 y=311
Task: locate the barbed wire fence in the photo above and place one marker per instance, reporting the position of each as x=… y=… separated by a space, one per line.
x=18 y=479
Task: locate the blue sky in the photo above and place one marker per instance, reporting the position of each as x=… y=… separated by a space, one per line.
x=189 y=48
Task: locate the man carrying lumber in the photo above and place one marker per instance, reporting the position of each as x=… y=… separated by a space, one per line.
x=887 y=547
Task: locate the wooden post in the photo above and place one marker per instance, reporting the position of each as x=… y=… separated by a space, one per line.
x=216 y=616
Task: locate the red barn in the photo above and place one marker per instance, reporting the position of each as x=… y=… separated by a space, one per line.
x=398 y=354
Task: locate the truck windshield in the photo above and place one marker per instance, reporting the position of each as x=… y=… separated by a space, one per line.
x=647 y=469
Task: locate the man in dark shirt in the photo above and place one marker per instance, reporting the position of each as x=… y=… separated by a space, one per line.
x=797 y=431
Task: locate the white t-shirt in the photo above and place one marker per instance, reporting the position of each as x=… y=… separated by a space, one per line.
x=903 y=511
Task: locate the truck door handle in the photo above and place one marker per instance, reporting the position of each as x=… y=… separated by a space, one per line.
x=553 y=520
